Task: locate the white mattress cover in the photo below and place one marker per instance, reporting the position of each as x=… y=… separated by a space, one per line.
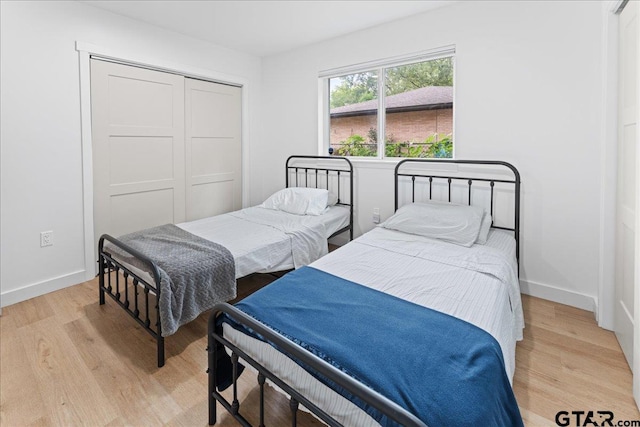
x=421 y=270
x=263 y=240
x=257 y=246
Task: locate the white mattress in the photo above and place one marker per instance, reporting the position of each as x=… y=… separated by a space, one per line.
x=266 y=240
x=439 y=275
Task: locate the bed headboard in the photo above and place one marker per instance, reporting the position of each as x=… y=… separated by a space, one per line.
x=492 y=184
x=332 y=173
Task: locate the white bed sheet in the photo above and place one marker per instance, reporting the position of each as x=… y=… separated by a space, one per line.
x=435 y=274
x=266 y=240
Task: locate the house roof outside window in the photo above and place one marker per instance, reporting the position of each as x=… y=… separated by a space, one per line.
x=425 y=98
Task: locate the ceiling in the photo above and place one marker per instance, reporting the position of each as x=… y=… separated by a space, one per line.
x=266 y=27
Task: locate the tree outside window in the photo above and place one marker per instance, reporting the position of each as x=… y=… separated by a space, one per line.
x=415 y=112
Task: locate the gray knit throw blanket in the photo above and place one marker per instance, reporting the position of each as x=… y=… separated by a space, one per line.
x=195 y=273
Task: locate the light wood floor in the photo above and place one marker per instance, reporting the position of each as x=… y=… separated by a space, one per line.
x=67 y=361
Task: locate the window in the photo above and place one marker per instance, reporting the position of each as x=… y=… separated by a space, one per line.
x=409 y=103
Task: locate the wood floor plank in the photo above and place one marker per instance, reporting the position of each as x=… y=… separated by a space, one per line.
x=65 y=382
x=70 y=303
x=20 y=399
x=66 y=360
x=532 y=419
x=542 y=340
x=605 y=396
x=566 y=362
x=41 y=422
x=116 y=379
x=33 y=310
x=569 y=325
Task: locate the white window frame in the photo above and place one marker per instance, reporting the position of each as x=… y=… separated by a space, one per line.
x=379 y=66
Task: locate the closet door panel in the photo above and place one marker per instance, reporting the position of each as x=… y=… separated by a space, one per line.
x=213 y=148
x=126 y=154
x=137 y=206
x=137 y=103
x=204 y=195
x=138 y=148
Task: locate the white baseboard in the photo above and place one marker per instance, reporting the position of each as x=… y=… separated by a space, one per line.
x=562 y=296
x=41 y=288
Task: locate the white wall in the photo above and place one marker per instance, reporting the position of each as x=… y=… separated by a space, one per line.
x=41 y=156
x=528 y=90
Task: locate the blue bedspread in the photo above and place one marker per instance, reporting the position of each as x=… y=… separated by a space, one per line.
x=444 y=370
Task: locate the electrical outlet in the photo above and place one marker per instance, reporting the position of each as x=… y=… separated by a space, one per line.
x=46 y=238
x=376 y=215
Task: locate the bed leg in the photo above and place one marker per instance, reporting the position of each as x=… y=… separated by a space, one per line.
x=101 y=281
x=211 y=371
x=293 y=405
x=160 y=352
x=261 y=379
x=101 y=297
x=235 y=405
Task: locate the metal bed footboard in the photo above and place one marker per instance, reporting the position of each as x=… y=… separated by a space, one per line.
x=217 y=341
x=111 y=270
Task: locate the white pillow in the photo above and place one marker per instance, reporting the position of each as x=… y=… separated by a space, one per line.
x=332 y=199
x=444 y=221
x=483 y=235
x=298 y=200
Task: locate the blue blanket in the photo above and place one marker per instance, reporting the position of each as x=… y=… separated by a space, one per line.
x=442 y=369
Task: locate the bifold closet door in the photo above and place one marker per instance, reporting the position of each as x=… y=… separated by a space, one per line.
x=138 y=148
x=213 y=148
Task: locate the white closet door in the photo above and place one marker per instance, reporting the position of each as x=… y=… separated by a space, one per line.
x=138 y=148
x=213 y=148
x=626 y=233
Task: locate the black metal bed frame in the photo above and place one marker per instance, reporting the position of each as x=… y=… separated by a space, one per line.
x=217 y=342
x=132 y=292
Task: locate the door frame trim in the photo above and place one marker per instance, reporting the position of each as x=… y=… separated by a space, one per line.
x=85 y=52
x=605 y=309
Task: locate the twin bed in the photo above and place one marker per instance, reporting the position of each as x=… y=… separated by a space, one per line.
x=413 y=323
x=166 y=276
